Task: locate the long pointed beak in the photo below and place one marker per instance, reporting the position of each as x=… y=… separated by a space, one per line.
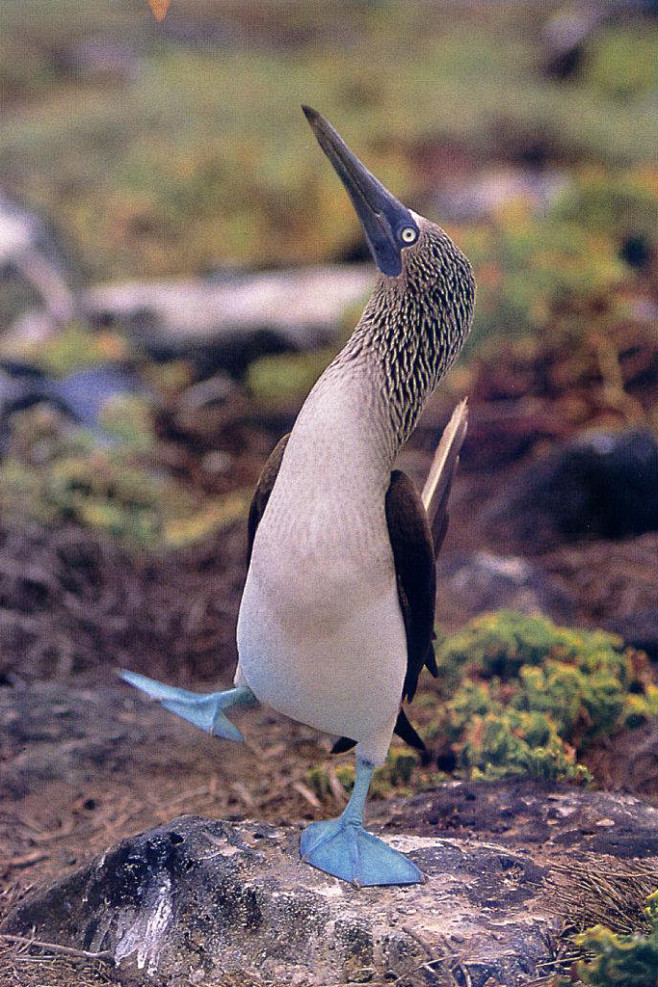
x=382 y=217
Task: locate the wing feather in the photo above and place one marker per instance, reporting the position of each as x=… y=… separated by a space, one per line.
x=263 y=490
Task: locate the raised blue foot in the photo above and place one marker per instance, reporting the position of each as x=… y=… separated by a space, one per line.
x=343 y=848
x=203 y=711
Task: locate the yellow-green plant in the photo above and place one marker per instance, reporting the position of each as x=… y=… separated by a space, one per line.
x=285 y=379
x=53 y=474
x=618 y=960
x=524 y=696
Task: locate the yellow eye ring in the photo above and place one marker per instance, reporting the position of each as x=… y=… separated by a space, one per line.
x=408 y=235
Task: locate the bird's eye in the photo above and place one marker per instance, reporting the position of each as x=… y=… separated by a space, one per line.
x=409 y=235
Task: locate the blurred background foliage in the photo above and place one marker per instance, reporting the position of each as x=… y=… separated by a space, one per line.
x=177 y=149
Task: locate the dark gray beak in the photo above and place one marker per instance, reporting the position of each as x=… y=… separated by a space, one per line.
x=388 y=225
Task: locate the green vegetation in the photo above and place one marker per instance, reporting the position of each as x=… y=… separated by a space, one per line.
x=197 y=155
x=53 y=474
x=622 y=62
x=617 y=960
x=74 y=347
x=528 y=697
x=285 y=379
x=562 y=273
x=519 y=696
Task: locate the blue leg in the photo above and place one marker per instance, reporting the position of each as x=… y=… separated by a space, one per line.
x=342 y=846
x=204 y=711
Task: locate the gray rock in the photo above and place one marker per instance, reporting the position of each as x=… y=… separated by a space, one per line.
x=225 y=323
x=640 y=629
x=199 y=899
x=484 y=582
x=27 y=248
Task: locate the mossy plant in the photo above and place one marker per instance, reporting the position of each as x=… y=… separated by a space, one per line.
x=623 y=62
x=620 y=960
x=523 y=696
x=519 y=696
x=74 y=347
x=551 y=272
x=285 y=379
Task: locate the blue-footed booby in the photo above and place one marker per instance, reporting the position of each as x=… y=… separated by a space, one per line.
x=336 y=620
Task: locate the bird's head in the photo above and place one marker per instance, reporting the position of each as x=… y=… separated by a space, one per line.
x=403 y=244
x=421 y=310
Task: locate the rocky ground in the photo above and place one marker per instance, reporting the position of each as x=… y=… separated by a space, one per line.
x=513 y=866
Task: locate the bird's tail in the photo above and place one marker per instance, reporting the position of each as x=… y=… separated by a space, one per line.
x=439 y=481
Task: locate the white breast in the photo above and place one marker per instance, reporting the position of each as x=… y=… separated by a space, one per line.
x=320 y=633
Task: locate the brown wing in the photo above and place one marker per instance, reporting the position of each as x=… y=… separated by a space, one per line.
x=263 y=490
x=413 y=554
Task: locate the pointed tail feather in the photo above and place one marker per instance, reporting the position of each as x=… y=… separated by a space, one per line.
x=437 y=487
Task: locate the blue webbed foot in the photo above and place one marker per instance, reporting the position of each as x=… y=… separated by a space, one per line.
x=343 y=848
x=203 y=711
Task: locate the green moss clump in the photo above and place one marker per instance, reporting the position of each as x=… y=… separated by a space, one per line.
x=129 y=419
x=623 y=62
x=562 y=272
x=612 y=204
x=525 y=697
x=75 y=347
x=621 y=960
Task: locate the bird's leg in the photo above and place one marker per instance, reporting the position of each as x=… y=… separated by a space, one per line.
x=205 y=711
x=342 y=846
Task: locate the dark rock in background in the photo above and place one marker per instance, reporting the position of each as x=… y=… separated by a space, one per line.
x=639 y=629
x=483 y=582
x=602 y=484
